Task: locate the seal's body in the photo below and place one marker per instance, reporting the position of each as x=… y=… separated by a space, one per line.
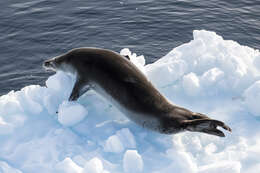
x=121 y=82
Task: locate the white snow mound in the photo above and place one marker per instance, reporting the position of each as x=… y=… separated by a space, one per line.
x=40 y=131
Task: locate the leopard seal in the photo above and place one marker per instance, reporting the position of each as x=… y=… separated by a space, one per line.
x=118 y=80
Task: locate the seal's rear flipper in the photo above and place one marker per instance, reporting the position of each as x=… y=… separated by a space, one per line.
x=208 y=126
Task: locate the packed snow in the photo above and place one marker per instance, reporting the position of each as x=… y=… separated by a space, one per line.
x=40 y=131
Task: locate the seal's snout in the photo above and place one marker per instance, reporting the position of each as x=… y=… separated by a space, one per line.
x=49 y=65
x=46 y=63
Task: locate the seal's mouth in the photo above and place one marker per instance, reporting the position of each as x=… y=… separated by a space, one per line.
x=49 y=65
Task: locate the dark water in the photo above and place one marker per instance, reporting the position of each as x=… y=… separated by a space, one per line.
x=34 y=30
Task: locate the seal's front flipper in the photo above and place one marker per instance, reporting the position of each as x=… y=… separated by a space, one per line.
x=79 y=89
x=208 y=126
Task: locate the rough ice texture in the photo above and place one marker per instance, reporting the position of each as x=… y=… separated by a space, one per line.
x=252 y=98
x=71 y=113
x=4 y=167
x=132 y=162
x=121 y=140
x=94 y=166
x=68 y=166
x=208 y=74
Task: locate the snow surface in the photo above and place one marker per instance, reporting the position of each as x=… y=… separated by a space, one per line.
x=209 y=75
x=132 y=162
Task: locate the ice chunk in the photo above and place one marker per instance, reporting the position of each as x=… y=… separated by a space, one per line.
x=127 y=138
x=9 y=104
x=257 y=61
x=171 y=71
x=252 y=98
x=94 y=166
x=113 y=144
x=27 y=100
x=5 y=128
x=139 y=61
x=224 y=166
x=10 y=122
x=59 y=80
x=5 y=168
x=208 y=37
x=191 y=84
x=51 y=101
x=254 y=169
x=71 y=113
x=210 y=148
x=68 y=166
x=121 y=140
x=214 y=58
x=182 y=161
x=132 y=162
x=125 y=52
x=203 y=75
x=211 y=76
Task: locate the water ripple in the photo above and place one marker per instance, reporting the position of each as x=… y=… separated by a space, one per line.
x=34 y=30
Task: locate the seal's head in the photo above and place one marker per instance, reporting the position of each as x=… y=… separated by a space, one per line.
x=50 y=64
x=59 y=63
